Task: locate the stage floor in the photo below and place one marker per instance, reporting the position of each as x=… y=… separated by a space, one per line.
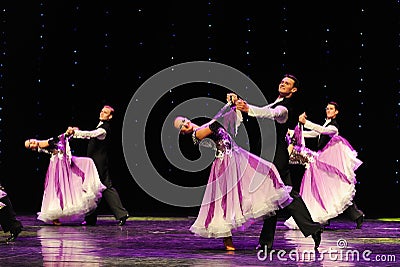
x=166 y=241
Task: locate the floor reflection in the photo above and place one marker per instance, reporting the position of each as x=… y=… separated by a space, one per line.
x=155 y=241
x=333 y=251
x=62 y=246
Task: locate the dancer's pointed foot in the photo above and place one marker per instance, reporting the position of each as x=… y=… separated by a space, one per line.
x=56 y=222
x=14 y=234
x=359 y=222
x=228 y=243
x=122 y=220
x=264 y=247
x=317 y=238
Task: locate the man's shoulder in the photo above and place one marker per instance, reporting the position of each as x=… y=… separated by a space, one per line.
x=105 y=125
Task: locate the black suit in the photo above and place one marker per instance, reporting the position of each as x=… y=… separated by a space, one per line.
x=8 y=220
x=98 y=150
x=323 y=139
x=297 y=209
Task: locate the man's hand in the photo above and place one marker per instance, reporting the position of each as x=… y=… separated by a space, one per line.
x=242 y=105
x=303 y=118
x=71 y=130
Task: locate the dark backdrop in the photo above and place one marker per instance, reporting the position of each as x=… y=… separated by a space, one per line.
x=61 y=61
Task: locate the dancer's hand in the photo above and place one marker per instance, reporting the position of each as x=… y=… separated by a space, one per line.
x=231 y=98
x=242 y=105
x=303 y=118
x=71 y=130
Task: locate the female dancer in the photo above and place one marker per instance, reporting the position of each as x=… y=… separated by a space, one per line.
x=72 y=186
x=241 y=187
x=328 y=183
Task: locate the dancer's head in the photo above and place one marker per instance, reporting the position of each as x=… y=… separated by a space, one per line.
x=31 y=144
x=184 y=125
x=332 y=109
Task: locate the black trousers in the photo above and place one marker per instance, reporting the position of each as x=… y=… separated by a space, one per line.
x=299 y=211
x=8 y=220
x=353 y=212
x=111 y=196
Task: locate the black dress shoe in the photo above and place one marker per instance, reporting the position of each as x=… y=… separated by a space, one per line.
x=317 y=238
x=122 y=220
x=88 y=223
x=14 y=235
x=263 y=247
x=360 y=221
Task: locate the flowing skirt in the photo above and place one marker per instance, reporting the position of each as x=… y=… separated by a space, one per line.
x=71 y=190
x=241 y=188
x=328 y=184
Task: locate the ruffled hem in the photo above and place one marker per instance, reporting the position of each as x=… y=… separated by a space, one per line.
x=72 y=189
x=223 y=228
x=340 y=208
x=324 y=218
x=74 y=213
x=328 y=185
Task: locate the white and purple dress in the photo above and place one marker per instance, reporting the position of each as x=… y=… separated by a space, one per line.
x=241 y=188
x=72 y=186
x=328 y=183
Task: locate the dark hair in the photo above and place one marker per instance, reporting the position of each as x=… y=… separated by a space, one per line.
x=291 y=76
x=335 y=104
x=110 y=108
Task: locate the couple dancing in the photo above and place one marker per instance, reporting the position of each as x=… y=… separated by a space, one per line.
x=72 y=186
x=243 y=187
x=75 y=185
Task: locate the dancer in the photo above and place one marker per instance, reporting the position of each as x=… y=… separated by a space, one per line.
x=241 y=186
x=98 y=150
x=281 y=113
x=8 y=220
x=328 y=184
x=72 y=186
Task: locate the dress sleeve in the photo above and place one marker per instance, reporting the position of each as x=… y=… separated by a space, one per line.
x=53 y=141
x=214 y=126
x=230 y=118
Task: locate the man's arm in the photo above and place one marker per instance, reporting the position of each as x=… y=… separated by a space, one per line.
x=99 y=133
x=279 y=113
x=317 y=129
x=310 y=134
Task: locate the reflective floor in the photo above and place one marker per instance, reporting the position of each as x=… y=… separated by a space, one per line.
x=162 y=241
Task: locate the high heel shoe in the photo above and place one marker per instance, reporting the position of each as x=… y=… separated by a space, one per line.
x=228 y=243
